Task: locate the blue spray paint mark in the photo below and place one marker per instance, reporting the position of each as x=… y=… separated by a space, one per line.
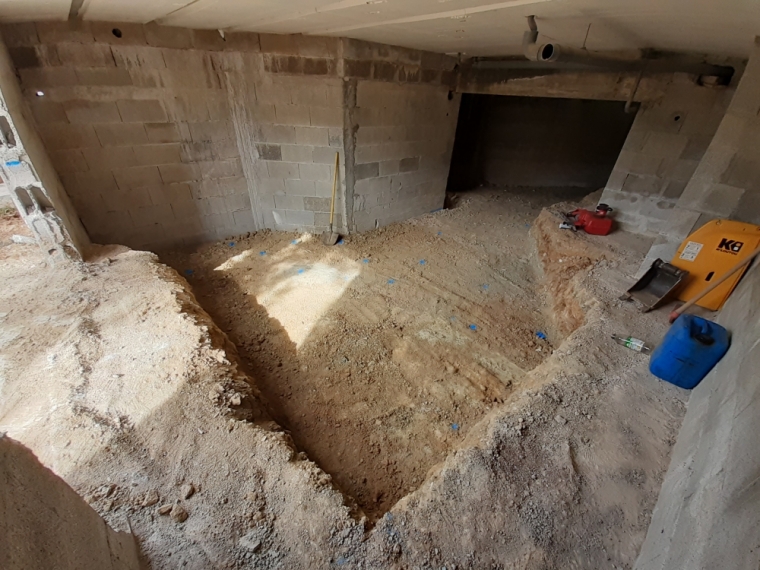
x=294 y=242
x=455 y=427
x=452 y=318
x=13 y=163
x=365 y=260
x=301 y=271
x=391 y=281
x=189 y=272
x=434 y=211
x=341 y=242
x=485 y=286
x=541 y=335
x=341 y=561
x=440 y=233
x=423 y=261
x=473 y=327
x=527 y=225
x=232 y=244
x=262 y=253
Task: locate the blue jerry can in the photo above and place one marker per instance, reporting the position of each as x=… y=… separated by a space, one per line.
x=689 y=351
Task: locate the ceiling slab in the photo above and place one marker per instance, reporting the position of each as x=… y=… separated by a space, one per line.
x=472 y=27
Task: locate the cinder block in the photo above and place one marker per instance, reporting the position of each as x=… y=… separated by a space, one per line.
x=109 y=158
x=742 y=172
x=152 y=215
x=317 y=204
x=89 y=112
x=121 y=134
x=665 y=145
x=221 y=169
x=674 y=189
x=313 y=95
x=141 y=111
x=296 y=153
x=119 y=200
x=46 y=112
x=61 y=136
x=198 y=152
x=226 y=149
x=19 y=34
x=323 y=220
x=276 y=134
x=218 y=106
x=367 y=170
x=95 y=183
x=170 y=173
x=279 y=44
x=244 y=219
x=335 y=136
x=297 y=218
x=323 y=189
x=326 y=116
x=286 y=170
x=326 y=155
x=232 y=185
x=269 y=151
x=138 y=57
x=262 y=113
x=188 y=106
x=137 y=176
x=24 y=57
x=168 y=37
x=270 y=186
x=358 y=69
x=312 y=136
x=296 y=115
x=169 y=193
x=77 y=31
x=104 y=76
x=211 y=131
x=205 y=188
x=162 y=132
x=85 y=55
x=409 y=164
x=242 y=41
x=314 y=171
x=118 y=33
x=238 y=202
x=644 y=185
x=208 y=40
x=286 y=202
x=156 y=154
x=41 y=78
x=300 y=188
x=67 y=161
x=212 y=206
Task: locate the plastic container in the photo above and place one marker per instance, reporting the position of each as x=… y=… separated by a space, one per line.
x=689 y=351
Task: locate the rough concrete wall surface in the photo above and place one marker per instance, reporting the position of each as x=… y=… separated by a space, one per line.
x=167 y=136
x=31 y=179
x=725 y=183
x=403 y=150
x=538 y=141
x=708 y=512
x=668 y=139
x=44 y=524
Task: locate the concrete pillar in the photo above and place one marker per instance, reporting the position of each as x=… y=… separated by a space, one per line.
x=34 y=185
x=726 y=183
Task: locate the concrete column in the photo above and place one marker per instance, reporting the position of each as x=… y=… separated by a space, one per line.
x=726 y=183
x=34 y=185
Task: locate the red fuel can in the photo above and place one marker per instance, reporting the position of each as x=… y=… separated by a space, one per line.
x=597 y=223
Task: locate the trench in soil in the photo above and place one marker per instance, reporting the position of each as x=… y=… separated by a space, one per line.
x=379 y=355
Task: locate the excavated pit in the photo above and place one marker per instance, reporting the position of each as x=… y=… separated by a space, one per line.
x=380 y=354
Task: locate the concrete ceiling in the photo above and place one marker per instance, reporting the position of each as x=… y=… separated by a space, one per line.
x=474 y=27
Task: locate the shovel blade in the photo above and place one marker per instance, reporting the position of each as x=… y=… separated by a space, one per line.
x=330 y=238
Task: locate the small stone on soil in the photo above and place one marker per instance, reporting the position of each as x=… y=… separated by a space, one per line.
x=178 y=513
x=164 y=509
x=188 y=490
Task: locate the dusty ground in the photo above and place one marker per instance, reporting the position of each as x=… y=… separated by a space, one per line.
x=505 y=456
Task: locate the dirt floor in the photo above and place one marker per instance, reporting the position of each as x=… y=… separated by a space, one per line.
x=382 y=403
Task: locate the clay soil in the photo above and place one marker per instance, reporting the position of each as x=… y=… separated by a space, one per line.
x=350 y=406
x=378 y=355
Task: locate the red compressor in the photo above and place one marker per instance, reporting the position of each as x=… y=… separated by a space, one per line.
x=598 y=222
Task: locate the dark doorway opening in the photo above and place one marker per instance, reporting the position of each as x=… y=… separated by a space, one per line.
x=537 y=142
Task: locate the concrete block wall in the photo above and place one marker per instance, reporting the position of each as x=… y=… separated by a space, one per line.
x=725 y=182
x=668 y=139
x=138 y=128
x=403 y=150
x=166 y=136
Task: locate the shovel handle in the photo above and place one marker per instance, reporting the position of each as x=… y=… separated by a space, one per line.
x=746 y=261
x=335 y=189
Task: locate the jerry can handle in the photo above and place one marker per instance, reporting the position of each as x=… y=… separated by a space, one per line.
x=703 y=334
